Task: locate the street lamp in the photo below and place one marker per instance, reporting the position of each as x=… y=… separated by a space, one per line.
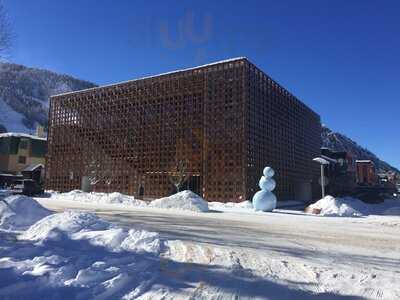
x=322 y=162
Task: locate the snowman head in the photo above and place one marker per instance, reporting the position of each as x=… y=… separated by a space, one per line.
x=268 y=172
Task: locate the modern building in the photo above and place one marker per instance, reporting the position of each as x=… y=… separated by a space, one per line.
x=19 y=151
x=225 y=120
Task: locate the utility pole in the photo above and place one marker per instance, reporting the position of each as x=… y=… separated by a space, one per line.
x=322 y=162
x=322 y=181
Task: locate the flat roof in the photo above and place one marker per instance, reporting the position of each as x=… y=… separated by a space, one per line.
x=25 y=135
x=239 y=58
x=153 y=76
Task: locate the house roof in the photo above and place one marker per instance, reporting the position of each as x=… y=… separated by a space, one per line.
x=364 y=161
x=19 y=134
x=9 y=175
x=33 y=167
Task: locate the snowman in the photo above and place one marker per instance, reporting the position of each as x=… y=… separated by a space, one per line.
x=265 y=200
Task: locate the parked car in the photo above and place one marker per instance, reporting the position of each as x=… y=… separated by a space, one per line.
x=27 y=187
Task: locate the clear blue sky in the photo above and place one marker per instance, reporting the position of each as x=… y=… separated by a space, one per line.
x=342 y=58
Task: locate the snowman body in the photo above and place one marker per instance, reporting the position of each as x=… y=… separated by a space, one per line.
x=265 y=200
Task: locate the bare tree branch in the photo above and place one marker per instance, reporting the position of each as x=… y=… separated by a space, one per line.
x=179 y=173
x=97 y=171
x=5 y=32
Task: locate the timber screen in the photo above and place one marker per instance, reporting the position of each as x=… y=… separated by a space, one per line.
x=223 y=122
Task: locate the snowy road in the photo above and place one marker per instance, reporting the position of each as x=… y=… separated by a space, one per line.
x=306 y=254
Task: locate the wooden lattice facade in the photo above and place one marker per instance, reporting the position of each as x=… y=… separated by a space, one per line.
x=227 y=120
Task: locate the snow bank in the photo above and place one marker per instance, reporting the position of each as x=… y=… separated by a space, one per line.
x=70 y=222
x=87 y=226
x=232 y=206
x=352 y=207
x=330 y=206
x=98 y=198
x=4 y=193
x=185 y=200
x=76 y=255
x=20 y=212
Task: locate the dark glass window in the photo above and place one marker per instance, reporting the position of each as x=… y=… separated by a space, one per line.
x=21 y=159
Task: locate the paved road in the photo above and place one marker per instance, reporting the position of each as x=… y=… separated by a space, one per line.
x=350 y=241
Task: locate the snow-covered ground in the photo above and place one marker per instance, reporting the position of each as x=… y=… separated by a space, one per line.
x=230 y=252
x=189 y=201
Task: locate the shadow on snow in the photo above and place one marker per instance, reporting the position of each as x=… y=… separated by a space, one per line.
x=144 y=271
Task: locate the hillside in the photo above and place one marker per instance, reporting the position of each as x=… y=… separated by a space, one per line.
x=339 y=142
x=25 y=92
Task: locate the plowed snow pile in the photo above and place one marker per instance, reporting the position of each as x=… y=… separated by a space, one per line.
x=4 y=193
x=98 y=198
x=87 y=226
x=20 y=212
x=352 y=207
x=76 y=255
x=232 y=206
x=185 y=200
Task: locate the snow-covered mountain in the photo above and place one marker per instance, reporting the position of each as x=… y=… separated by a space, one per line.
x=25 y=92
x=339 y=142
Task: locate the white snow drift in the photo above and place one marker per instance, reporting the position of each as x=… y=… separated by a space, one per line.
x=73 y=225
x=244 y=206
x=185 y=200
x=97 y=198
x=352 y=207
x=74 y=255
x=20 y=212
